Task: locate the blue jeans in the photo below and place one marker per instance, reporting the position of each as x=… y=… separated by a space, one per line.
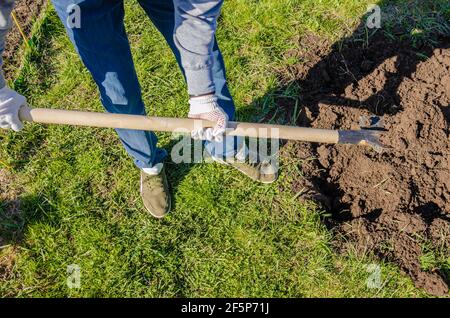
x=103 y=46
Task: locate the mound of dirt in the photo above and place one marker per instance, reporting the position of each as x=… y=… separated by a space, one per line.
x=387 y=203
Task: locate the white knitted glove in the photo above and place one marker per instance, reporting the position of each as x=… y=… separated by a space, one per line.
x=10 y=103
x=207 y=108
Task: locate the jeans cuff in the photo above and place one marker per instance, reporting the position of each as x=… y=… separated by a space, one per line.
x=200 y=81
x=160 y=156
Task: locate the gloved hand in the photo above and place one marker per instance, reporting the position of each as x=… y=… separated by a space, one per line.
x=10 y=103
x=207 y=108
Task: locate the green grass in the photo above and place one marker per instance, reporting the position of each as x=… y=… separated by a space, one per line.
x=226 y=236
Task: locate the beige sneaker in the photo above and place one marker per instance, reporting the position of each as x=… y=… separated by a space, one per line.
x=261 y=170
x=155 y=193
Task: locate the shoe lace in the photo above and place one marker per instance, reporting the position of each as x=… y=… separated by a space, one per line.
x=154 y=181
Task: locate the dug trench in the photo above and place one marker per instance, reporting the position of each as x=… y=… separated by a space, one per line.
x=386 y=203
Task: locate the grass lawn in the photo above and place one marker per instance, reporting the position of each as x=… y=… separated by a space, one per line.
x=226 y=235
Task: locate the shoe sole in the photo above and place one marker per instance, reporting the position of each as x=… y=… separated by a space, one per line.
x=162 y=216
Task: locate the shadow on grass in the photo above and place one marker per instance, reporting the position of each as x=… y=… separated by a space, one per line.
x=17 y=214
x=176 y=172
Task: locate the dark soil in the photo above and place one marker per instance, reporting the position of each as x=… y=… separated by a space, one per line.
x=27 y=12
x=388 y=203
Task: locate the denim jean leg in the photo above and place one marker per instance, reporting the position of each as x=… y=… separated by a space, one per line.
x=103 y=46
x=228 y=147
x=162 y=14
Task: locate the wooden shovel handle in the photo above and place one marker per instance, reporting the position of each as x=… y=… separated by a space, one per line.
x=182 y=125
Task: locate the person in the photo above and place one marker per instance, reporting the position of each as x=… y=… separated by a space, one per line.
x=98 y=35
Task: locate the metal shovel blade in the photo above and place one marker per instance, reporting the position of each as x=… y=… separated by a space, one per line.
x=372 y=127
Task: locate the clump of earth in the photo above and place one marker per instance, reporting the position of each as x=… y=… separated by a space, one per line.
x=388 y=203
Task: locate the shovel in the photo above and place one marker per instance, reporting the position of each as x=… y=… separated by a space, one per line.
x=366 y=136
